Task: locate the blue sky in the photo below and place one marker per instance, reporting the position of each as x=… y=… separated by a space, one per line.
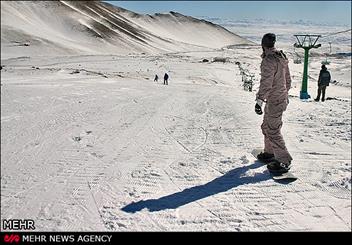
x=316 y=11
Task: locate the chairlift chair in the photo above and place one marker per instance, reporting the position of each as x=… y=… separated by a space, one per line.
x=326 y=61
x=296 y=58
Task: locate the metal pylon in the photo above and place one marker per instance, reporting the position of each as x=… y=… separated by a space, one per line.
x=306 y=42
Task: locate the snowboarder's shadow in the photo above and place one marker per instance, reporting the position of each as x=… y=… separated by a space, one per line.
x=231 y=179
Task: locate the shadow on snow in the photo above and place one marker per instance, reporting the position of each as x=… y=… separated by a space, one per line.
x=231 y=179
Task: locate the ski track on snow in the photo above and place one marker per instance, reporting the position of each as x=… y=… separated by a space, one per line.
x=179 y=155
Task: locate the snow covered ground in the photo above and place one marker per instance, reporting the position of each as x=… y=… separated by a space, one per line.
x=91 y=143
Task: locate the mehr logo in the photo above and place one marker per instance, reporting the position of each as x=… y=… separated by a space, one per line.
x=12 y=238
x=18 y=224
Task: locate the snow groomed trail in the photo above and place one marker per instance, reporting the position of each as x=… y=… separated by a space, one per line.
x=91 y=143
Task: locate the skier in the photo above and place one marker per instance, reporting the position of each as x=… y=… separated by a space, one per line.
x=166 y=78
x=323 y=81
x=156 y=78
x=274 y=85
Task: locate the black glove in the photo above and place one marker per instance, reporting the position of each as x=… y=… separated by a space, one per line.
x=258 y=106
x=258 y=109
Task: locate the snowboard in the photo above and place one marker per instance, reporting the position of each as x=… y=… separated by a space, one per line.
x=276 y=176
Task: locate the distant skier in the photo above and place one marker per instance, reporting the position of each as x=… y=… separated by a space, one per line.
x=323 y=81
x=166 y=78
x=274 y=85
x=156 y=78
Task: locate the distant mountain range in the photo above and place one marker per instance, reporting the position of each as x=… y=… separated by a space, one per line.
x=254 y=30
x=229 y=22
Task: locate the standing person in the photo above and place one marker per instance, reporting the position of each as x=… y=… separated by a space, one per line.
x=156 y=78
x=166 y=78
x=274 y=85
x=323 y=81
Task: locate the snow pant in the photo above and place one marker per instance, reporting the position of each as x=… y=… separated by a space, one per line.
x=166 y=82
x=271 y=128
x=321 y=91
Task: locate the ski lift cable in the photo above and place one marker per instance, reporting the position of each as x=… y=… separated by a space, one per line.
x=335 y=33
x=321 y=35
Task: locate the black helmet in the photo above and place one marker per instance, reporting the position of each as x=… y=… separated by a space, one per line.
x=268 y=40
x=323 y=67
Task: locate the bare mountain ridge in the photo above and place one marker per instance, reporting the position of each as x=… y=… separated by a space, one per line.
x=94 y=27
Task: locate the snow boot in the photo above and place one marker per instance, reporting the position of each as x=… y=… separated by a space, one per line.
x=277 y=167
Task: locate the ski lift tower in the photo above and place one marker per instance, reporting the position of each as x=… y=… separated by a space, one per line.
x=306 y=42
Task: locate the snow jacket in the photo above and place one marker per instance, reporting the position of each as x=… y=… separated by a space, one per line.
x=324 y=78
x=275 y=79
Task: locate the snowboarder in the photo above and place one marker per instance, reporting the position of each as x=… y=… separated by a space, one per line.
x=323 y=81
x=166 y=78
x=274 y=85
x=156 y=78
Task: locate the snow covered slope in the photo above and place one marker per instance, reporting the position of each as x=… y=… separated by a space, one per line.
x=94 y=27
x=90 y=143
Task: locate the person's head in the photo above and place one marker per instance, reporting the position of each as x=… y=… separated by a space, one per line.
x=323 y=67
x=268 y=40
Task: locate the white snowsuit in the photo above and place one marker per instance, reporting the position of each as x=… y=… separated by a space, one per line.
x=274 y=85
